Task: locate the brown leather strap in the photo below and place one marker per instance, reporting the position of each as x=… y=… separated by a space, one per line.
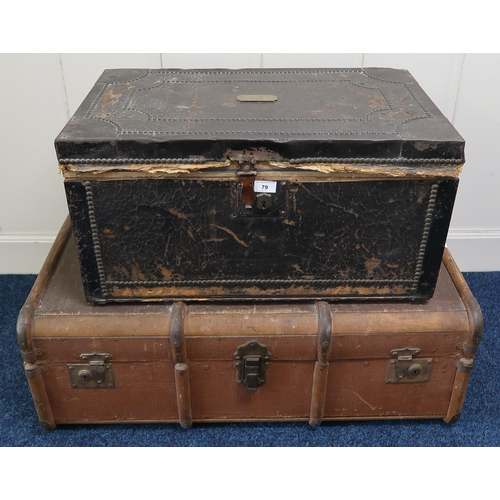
x=37 y=387
x=324 y=331
x=320 y=376
x=318 y=395
x=177 y=344
x=181 y=369
x=457 y=395
x=183 y=390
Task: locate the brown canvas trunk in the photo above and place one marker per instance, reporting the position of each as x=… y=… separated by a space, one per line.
x=195 y=362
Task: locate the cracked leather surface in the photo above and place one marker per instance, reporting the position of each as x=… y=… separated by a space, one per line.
x=169 y=230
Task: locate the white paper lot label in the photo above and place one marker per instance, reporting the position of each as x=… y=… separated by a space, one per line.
x=264 y=186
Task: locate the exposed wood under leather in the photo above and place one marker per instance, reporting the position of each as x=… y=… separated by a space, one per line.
x=208 y=170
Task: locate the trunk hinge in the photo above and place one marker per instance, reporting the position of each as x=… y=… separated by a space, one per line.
x=181 y=369
x=320 y=376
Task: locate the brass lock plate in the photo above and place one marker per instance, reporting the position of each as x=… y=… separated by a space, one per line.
x=97 y=373
x=408 y=370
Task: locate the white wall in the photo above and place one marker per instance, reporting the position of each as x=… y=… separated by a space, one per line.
x=43 y=90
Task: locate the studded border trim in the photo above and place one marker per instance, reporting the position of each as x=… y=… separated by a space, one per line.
x=135 y=161
x=95 y=237
x=293 y=161
x=425 y=236
x=250 y=282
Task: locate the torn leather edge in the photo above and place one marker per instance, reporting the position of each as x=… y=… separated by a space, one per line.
x=374 y=169
x=150 y=168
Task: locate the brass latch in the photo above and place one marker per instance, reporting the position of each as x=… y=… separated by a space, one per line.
x=251 y=360
x=405 y=369
x=95 y=373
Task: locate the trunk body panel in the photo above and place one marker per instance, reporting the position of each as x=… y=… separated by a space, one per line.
x=153 y=374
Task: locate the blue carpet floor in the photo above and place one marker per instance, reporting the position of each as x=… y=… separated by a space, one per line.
x=479 y=425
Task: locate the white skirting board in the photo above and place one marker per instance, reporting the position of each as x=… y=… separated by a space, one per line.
x=24 y=254
x=473 y=250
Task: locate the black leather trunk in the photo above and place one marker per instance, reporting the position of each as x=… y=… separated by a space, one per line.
x=259 y=184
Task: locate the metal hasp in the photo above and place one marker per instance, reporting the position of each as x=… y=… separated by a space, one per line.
x=247 y=174
x=251 y=361
x=96 y=373
x=405 y=369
